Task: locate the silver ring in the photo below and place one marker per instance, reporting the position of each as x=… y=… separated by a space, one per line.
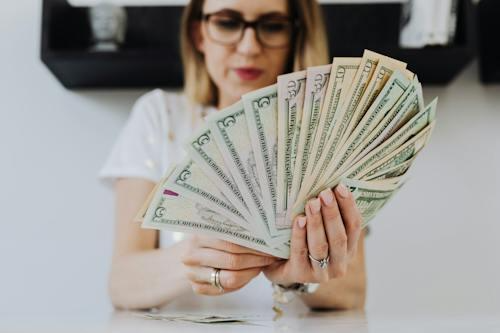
x=216 y=279
x=323 y=263
x=213 y=277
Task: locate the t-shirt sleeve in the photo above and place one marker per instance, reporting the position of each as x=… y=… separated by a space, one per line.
x=137 y=151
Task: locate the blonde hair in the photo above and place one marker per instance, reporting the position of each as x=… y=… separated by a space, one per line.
x=310 y=48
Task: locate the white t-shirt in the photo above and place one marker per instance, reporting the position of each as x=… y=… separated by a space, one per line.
x=149 y=143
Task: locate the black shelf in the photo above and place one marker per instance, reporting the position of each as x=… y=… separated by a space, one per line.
x=432 y=64
x=489 y=48
x=150 y=56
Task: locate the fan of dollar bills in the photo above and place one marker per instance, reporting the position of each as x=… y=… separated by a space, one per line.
x=253 y=165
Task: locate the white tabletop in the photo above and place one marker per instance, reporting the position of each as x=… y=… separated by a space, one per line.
x=295 y=319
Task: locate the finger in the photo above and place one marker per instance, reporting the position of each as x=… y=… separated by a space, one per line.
x=298 y=243
x=335 y=232
x=297 y=268
x=317 y=242
x=226 y=246
x=229 y=280
x=199 y=274
x=234 y=280
x=351 y=217
x=225 y=260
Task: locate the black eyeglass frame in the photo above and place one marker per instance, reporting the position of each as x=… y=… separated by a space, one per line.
x=253 y=24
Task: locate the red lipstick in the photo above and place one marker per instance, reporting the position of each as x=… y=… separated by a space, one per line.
x=248 y=73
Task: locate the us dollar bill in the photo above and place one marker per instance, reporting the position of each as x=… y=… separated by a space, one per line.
x=202 y=148
x=418 y=123
x=383 y=72
x=341 y=119
x=316 y=84
x=371 y=197
x=416 y=132
x=261 y=116
x=404 y=153
x=173 y=212
x=342 y=74
x=414 y=144
x=368 y=83
x=291 y=89
x=190 y=181
x=393 y=168
x=140 y=215
x=230 y=131
x=201 y=318
x=407 y=107
x=384 y=102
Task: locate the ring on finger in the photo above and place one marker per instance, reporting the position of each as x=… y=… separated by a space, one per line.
x=323 y=263
x=215 y=279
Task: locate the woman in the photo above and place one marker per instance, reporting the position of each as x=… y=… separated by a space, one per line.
x=229 y=47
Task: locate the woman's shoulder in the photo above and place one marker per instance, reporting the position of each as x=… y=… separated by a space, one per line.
x=169 y=110
x=159 y=100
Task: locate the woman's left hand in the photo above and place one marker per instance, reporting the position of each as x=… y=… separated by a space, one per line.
x=331 y=228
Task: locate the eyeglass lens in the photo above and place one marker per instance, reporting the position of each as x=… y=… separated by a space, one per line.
x=272 y=31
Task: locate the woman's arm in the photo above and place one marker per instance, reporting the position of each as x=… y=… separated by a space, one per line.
x=141 y=276
x=344 y=292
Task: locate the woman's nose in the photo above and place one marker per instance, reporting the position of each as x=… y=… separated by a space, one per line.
x=249 y=45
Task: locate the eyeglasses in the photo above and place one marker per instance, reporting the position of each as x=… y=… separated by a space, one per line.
x=227 y=29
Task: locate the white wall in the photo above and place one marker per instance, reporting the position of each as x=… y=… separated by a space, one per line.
x=57 y=220
x=433 y=249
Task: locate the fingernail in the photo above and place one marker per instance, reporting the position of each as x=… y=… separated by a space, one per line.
x=301 y=221
x=327 y=196
x=342 y=190
x=314 y=206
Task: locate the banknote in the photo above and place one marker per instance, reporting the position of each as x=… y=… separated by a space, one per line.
x=202 y=149
x=365 y=89
x=394 y=169
x=417 y=124
x=374 y=158
x=317 y=82
x=418 y=130
x=171 y=211
x=189 y=181
x=141 y=214
x=383 y=103
x=342 y=74
x=230 y=131
x=370 y=197
x=403 y=153
x=341 y=120
x=261 y=111
x=291 y=88
x=407 y=107
x=202 y=318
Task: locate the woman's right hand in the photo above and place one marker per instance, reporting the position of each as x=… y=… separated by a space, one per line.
x=238 y=264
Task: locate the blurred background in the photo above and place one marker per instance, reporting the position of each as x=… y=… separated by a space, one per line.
x=65 y=93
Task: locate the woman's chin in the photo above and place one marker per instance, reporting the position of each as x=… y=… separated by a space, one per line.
x=249 y=87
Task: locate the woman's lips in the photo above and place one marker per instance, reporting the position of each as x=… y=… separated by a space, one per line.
x=248 y=73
